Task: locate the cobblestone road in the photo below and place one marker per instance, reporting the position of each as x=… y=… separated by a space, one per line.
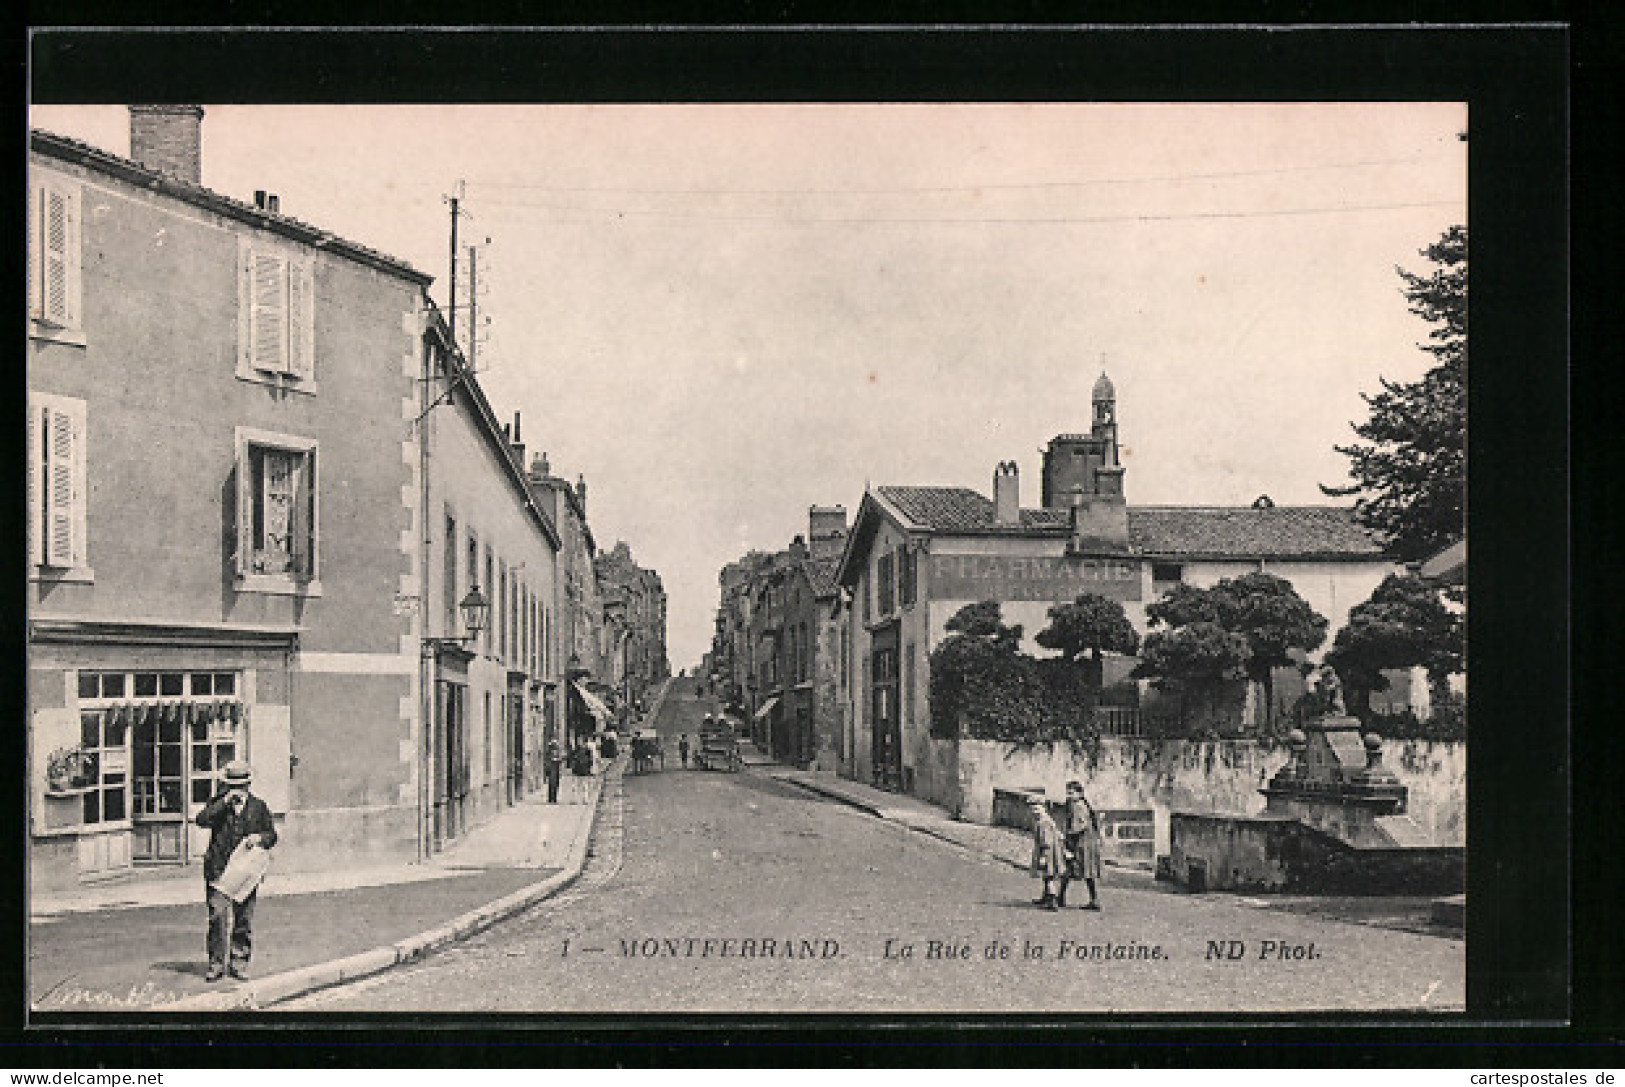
x=718 y=892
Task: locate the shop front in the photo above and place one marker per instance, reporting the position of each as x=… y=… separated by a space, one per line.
x=127 y=741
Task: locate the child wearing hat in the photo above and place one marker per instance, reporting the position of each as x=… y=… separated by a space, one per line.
x=1048 y=862
x=233 y=817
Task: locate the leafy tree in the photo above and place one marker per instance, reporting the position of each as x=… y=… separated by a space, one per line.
x=985 y=619
x=1404 y=624
x=1264 y=610
x=1181 y=606
x=1090 y=624
x=1269 y=613
x=1196 y=661
x=1410 y=472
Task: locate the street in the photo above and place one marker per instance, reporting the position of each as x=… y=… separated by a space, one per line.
x=719 y=892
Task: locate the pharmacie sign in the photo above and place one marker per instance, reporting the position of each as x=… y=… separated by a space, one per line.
x=1058 y=578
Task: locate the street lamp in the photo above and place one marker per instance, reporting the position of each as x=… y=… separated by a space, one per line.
x=475 y=611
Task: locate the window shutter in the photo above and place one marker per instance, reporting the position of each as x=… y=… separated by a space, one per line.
x=245 y=509
x=268 y=312
x=59 y=493
x=301 y=323
x=270 y=751
x=36 y=490
x=81 y=491
x=59 y=235
x=303 y=528
x=70 y=260
x=36 y=256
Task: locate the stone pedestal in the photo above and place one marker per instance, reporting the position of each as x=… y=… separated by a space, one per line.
x=1335 y=781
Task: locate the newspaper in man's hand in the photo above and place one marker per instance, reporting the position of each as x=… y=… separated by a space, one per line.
x=243 y=872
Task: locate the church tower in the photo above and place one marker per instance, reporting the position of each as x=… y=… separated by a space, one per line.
x=1084 y=474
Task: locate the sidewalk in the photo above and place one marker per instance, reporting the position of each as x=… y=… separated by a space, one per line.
x=139 y=945
x=1405 y=913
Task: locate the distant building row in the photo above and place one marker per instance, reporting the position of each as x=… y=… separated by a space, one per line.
x=268 y=505
x=826 y=648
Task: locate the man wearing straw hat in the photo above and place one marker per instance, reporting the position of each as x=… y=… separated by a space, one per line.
x=235 y=817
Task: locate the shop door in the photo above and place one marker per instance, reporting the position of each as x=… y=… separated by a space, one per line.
x=516 y=746
x=451 y=765
x=885 y=721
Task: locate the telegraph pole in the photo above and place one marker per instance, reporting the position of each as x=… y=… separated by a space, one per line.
x=451 y=307
x=473 y=308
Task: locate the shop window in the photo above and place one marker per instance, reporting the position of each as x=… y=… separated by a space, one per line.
x=103 y=769
x=158 y=751
x=277 y=531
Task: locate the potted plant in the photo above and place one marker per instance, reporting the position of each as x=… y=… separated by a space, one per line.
x=69 y=768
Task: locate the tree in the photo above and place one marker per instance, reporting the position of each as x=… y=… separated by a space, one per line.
x=1404 y=624
x=1268 y=612
x=1090 y=624
x=1262 y=609
x=1410 y=472
x=1196 y=661
x=985 y=619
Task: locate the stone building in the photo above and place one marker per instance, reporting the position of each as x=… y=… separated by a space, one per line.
x=496 y=698
x=916 y=555
x=237 y=537
x=635 y=621
x=778 y=631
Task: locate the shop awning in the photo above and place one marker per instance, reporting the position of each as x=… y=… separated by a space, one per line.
x=594 y=704
x=766 y=707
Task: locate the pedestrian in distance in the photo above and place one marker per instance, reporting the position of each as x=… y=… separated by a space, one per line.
x=234 y=817
x=1048 y=863
x=682 y=749
x=1083 y=845
x=553 y=766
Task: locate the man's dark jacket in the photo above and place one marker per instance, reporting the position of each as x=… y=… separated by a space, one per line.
x=229 y=828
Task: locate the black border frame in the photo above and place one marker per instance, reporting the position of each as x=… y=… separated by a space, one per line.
x=1516 y=81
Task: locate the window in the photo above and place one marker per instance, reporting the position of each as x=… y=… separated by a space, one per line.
x=487 y=735
x=885 y=583
x=276 y=511
x=53 y=258
x=500 y=608
x=276 y=316
x=908 y=566
x=453 y=618
x=1167 y=571
x=490 y=589
x=56 y=485
x=156 y=741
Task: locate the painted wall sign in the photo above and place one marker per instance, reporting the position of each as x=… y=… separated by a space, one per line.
x=1059 y=578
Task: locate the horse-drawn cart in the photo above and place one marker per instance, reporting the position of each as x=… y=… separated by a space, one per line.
x=719 y=746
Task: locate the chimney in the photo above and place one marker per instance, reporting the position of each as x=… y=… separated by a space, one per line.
x=169 y=140
x=581 y=495
x=517 y=442
x=798 y=548
x=826 y=531
x=1006 y=493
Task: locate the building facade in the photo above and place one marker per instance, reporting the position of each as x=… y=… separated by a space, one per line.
x=917 y=555
x=777 y=651
x=635 y=618
x=492 y=700
x=261 y=488
x=220 y=487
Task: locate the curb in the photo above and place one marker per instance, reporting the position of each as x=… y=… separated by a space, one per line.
x=307 y=979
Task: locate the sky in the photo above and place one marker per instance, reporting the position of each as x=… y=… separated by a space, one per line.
x=721 y=315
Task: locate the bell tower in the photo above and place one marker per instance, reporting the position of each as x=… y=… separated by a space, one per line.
x=1083 y=474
